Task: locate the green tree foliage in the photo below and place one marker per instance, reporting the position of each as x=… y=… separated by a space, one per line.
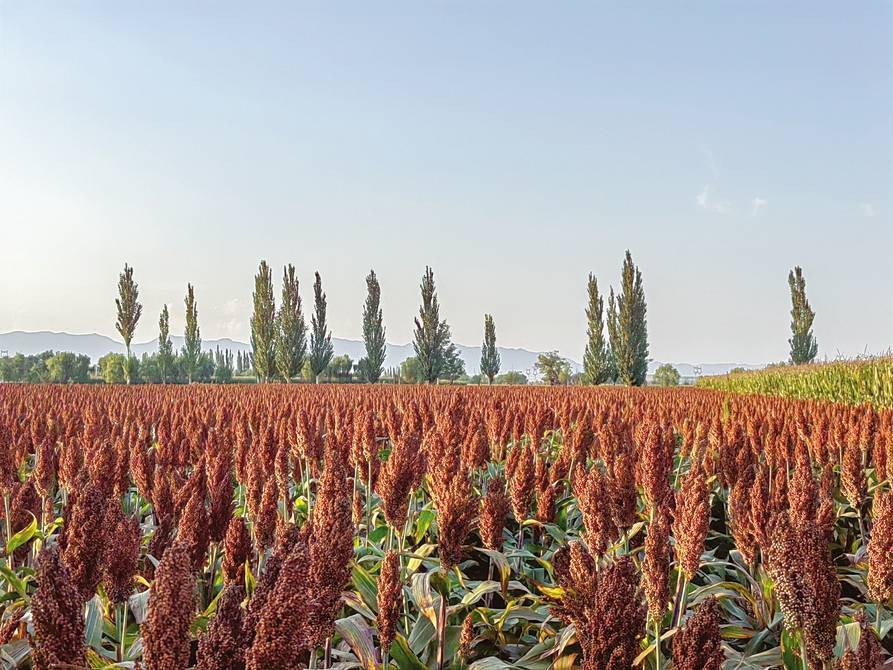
x=628 y=328
x=321 y=348
x=21 y=368
x=68 y=368
x=111 y=367
x=553 y=368
x=263 y=324
x=291 y=331
x=597 y=357
x=223 y=366
x=512 y=377
x=372 y=365
x=666 y=375
x=192 y=347
x=340 y=368
x=432 y=341
x=165 y=362
x=129 y=308
x=411 y=371
x=453 y=365
x=803 y=343
x=489 y=352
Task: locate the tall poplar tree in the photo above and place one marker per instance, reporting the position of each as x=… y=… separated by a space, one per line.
x=192 y=346
x=321 y=348
x=165 y=346
x=373 y=331
x=627 y=326
x=489 y=352
x=596 y=357
x=129 y=312
x=803 y=343
x=263 y=324
x=432 y=341
x=291 y=331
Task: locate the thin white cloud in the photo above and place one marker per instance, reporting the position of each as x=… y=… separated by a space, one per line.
x=701 y=198
x=868 y=210
x=708 y=203
x=758 y=204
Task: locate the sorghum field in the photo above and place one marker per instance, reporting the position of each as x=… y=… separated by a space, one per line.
x=275 y=526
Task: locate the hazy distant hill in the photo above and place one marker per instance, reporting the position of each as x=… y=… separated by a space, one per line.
x=95 y=346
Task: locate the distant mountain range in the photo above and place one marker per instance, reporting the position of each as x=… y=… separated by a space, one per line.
x=95 y=346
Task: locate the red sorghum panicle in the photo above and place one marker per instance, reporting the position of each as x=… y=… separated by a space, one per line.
x=220 y=490
x=592 y=498
x=192 y=529
x=58 y=614
x=9 y=627
x=267 y=515
x=236 y=549
x=453 y=497
x=466 y=637
x=655 y=451
x=494 y=509
x=605 y=607
x=803 y=495
x=331 y=544
x=656 y=566
x=692 y=520
x=84 y=539
x=165 y=633
x=390 y=599
x=221 y=646
x=520 y=474
x=852 y=474
x=398 y=475
x=698 y=644
x=621 y=474
x=280 y=635
x=799 y=562
x=880 y=548
x=867 y=655
x=120 y=553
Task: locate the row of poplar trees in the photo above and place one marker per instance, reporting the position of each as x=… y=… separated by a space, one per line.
x=623 y=355
x=279 y=343
x=130 y=310
x=279 y=337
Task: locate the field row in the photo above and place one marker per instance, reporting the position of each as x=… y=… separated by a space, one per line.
x=868 y=380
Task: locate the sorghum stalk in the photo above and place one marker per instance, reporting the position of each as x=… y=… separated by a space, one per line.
x=441 y=631
x=656 y=645
x=8 y=513
x=368 y=501
x=121 y=620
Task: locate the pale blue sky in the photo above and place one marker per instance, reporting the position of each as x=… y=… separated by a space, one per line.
x=513 y=146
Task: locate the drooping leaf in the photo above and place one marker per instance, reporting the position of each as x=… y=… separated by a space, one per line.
x=360 y=638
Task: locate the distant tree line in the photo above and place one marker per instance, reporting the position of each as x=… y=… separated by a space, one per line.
x=282 y=349
x=63 y=367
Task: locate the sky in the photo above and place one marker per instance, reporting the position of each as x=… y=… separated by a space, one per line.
x=513 y=146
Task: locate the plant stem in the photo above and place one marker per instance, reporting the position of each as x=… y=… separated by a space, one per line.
x=368 y=499
x=657 y=645
x=441 y=632
x=8 y=513
x=680 y=598
x=121 y=615
x=213 y=571
x=803 y=653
